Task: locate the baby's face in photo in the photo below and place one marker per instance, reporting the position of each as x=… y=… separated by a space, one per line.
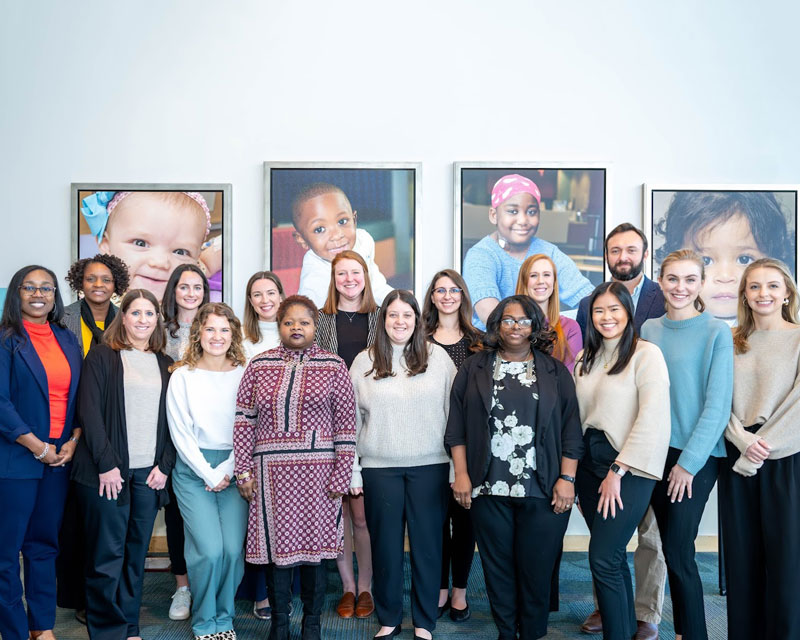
x=154 y=233
x=326 y=225
x=517 y=219
x=726 y=248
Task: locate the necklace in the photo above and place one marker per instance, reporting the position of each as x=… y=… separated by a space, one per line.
x=609 y=361
x=498 y=363
x=350 y=316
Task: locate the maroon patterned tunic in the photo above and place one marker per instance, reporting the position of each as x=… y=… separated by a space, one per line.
x=295 y=430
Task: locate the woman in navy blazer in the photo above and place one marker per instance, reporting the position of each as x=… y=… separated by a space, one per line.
x=40 y=364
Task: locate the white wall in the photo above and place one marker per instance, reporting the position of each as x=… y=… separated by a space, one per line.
x=205 y=91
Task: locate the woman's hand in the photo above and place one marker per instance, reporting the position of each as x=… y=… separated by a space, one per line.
x=333 y=495
x=680 y=482
x=111 y=483
x=66 y=452
x=356 y=491
x=156 y=480
x=563 y=496
x=758 y=451
x=223 y=484
x=610 y=496
x=462 y=490
x=247 y=489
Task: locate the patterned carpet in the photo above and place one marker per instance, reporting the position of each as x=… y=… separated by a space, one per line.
x=576 y=604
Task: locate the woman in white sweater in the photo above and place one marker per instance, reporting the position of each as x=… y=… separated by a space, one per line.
x=759 y=483
x=264 y=294
x=201 y=404
x=402 y=388
x=622 y=385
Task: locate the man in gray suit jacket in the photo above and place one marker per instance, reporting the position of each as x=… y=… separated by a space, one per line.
x=626 y=251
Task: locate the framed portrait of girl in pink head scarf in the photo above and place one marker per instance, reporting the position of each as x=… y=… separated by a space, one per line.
x=506 y=213
x=154 y=228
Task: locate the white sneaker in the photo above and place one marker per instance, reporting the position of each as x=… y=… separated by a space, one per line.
x=181 y=606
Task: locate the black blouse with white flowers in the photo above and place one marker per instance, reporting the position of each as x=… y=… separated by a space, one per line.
x=512 y=423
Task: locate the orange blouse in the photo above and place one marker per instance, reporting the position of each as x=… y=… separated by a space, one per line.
x=59 y=374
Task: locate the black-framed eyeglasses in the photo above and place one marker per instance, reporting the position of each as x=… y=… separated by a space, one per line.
x=453 y=291
x=30 y=289
x=522 y=322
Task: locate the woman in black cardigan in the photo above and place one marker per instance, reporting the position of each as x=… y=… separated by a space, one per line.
x=515 y=436
x=122 y=461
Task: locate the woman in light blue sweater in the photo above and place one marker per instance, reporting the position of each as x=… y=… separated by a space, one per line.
x=698 y=350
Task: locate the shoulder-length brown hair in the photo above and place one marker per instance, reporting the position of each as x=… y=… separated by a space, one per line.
x=251 y=330
x=745 y=324
x=194 y=351
x=561 y=350
x=430 y=314
x=368 y=303
x=416 y=350
x=115 y=335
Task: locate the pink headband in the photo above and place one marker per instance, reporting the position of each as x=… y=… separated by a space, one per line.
x=510 y=185
x=194 y=195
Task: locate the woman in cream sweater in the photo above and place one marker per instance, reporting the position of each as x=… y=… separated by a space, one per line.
x=760 y=480
x=622 y=385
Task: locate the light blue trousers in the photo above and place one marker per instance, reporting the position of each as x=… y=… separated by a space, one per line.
x=216 y=526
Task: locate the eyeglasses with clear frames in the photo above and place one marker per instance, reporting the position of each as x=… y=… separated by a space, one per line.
x=453 y=291
x=30 y=289
x=522 y=322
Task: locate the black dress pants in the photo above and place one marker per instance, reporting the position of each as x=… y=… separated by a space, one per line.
x=71 y=561
x=458 y=545
x=117 y=539
x=393 y=499
x=678 y=523
x=175 y=535
x=608 y=558
x=761 y=523
x=519 y=540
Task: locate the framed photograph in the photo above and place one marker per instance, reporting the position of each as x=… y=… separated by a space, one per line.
x=730 y=226
x=505 y=212
x=154 y=228
x=314 y=210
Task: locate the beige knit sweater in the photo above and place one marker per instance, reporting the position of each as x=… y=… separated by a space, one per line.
x=766 y=391
x=631 y=407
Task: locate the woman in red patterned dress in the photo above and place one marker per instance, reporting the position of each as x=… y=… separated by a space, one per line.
x=294 y=443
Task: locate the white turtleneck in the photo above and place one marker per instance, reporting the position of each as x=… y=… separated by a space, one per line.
x=269 y=340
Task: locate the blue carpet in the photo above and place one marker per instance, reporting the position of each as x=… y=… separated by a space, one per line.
x=576 y=604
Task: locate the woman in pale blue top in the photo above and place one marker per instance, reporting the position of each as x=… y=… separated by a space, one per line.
x=698 y=350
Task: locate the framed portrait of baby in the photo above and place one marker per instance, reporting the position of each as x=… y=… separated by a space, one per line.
x=547 y=215
x=729 y=226
x=316 y=210
x=155 y=228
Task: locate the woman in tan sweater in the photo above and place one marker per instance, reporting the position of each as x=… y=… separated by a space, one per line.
x=622 y=385
x=760 y=481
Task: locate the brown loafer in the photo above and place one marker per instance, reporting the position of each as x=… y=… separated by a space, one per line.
x=593 y=624
x=646 y=631
x=364 y=605
x=347 y=605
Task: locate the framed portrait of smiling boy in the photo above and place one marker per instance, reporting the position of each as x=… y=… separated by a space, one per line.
x=314 y=210
x=730 y=226
x=156 y=227
x=507 y=212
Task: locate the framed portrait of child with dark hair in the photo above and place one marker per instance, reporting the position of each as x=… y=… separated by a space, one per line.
x=154 y=228
x=729 y=226
x=315 y=210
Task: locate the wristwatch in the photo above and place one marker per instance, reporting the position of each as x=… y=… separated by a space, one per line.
x=564 y=476
x=618 y=470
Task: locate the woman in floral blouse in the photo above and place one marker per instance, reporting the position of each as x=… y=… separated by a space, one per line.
x=517 y=476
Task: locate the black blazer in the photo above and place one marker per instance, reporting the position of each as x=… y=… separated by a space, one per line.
x=651 y=305
x=101 y=412
x=558 y=425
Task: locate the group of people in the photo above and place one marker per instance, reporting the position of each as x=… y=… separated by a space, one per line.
x=301 y=435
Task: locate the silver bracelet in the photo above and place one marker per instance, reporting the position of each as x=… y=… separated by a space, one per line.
x=42 y=455
x=73 y=439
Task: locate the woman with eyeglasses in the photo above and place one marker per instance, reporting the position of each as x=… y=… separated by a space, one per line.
x=447 y=319
x=40 y=364
x=515 y=438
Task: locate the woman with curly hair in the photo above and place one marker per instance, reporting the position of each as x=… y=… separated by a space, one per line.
x=95 y=280
x=201 y=404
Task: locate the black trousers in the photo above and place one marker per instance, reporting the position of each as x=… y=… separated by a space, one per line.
x=393 y=499
x=608 y=558
x=175 y=538
x=71 y=561
x=117 y=538
x=678 y=523
x=519 y=540
x=458 y=545
x=760 y=518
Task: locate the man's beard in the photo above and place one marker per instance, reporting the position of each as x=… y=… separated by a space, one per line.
x=628 y=275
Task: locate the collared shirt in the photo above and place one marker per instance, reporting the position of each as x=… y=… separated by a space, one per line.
x=637 y=292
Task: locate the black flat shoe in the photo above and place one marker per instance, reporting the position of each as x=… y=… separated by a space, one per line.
x=459 y=615
x=394 y=633
x=444 y=607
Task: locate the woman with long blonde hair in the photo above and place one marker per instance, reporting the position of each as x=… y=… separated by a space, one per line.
x=538 y=279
